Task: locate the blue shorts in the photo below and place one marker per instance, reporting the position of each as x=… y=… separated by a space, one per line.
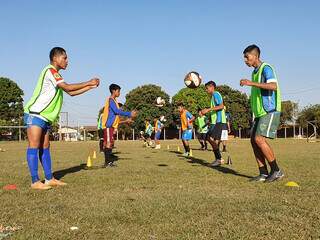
x=157 y=135
x=31 y=120
x=187 y=135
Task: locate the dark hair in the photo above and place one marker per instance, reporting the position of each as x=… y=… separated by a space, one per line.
x=114 y=87
x=180 y=104
x=56 y=51
x=211 y=83
x=251 y=48
x=120 y=104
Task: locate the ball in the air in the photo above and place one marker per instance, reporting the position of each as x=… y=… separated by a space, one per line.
x=160 y=102
x=192 y=80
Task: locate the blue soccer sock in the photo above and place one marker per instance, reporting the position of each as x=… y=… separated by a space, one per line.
x=32 y=159
x=45 y=159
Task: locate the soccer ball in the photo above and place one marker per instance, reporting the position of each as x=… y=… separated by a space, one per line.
x=160 y=102
x=192 y=80
x=163 y=119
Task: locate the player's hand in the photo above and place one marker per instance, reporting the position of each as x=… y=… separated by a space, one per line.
x=94 y=82
x=245 y=82
x=134 y=113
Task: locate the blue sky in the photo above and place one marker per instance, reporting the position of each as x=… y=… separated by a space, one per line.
x=137 y=42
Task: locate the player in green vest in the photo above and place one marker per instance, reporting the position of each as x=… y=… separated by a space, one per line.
x=266 y=108
x=42 y=110
x=201 y=123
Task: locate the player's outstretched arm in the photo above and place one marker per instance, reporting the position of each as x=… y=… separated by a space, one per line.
x=78 y=88
x=267 y=86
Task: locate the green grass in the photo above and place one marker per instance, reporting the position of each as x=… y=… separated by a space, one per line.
x=160 y=195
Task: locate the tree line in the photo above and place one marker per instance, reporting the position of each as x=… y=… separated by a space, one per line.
x=143 y=98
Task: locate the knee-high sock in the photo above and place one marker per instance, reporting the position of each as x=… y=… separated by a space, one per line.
x=32 y=159
x=107 y=155
x=101 y=145
x=45 y=159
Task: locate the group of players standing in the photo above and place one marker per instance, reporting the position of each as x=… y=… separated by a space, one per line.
x=44 y=108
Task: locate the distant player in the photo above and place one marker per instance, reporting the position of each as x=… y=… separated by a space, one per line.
x=218 y=128
x=265 y=101
x=43 y=109
x=158 y=126
x=202 y=129
x=100 y=131
x=186 y=127
x=147 y=133
x=110 y=122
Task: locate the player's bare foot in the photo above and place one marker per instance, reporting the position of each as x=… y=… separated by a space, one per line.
x=54 y=182
x=40 y=186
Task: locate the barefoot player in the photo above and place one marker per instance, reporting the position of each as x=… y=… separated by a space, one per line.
x=265 y=101
x=43 y=109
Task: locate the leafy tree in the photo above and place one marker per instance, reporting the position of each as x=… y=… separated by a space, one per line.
x=11 y=102
x=288 y=109
x=11 y=105
x=143 y=99
x=309 y=113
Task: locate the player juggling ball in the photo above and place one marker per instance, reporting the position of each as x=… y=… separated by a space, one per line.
x=43 y=109
x=218 y=126
x=110 y=122
x=265 y=101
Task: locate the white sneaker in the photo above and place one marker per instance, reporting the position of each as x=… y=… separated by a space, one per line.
x=217 y=162
x=186 y=154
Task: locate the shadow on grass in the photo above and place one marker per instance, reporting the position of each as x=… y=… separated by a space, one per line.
x=61 y=173
x=162 y=165
x=222 y=169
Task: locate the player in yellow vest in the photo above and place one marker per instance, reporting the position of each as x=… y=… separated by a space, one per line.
x=43 y=109
x=266 y=108
x=110 y=122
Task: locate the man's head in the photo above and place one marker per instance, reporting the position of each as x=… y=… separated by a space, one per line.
x=115 y=89
x=180 y=106
x=58 y=58
x=252 y=56
x=210 y=87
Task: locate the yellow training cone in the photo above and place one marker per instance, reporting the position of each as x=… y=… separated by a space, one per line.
x=168 y=147
x=292 y=184
x=89 y=162
x=190 y=154
x=94 y=155
x=178 y=149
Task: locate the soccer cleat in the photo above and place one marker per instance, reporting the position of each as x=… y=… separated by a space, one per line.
x=186 y=154
x=40 y=186
x=276 y=175
x=217 y=162
x=54 y=182
x=110 y=164
x=259 y=178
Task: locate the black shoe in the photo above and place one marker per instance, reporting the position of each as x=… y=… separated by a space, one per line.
x=260 y=178
x=111 y=164
x=276 y=175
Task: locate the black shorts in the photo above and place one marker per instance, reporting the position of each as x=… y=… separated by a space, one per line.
x=215 y=130
x=202 y=136
x=100 y=133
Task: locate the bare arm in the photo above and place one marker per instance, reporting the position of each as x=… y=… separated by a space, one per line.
x=216 y=108
x=77 y=86
x=267 y=86
x=80 y=91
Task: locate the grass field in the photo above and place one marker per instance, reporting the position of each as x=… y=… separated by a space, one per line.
x=161 y=195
